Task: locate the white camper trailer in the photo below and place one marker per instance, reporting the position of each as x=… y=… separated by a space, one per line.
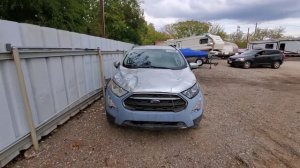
x=205 y=42
x=265 y=44
x=288 y=46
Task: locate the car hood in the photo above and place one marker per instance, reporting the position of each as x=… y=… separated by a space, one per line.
x=237 y=56
x=154 y=80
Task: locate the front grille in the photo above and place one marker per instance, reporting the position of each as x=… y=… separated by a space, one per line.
x=155 y=102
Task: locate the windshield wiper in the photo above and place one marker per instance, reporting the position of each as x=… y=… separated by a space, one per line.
x=131 y=66
x=157 y=67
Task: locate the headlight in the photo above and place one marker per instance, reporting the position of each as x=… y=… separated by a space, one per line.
x=191 y=92
x=117 y=90
x=241 y=59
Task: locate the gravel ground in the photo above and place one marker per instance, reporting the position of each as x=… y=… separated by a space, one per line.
x=252 y=119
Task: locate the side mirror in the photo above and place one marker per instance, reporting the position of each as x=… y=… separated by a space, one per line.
x=193 y=65
x=117 y=64
x=256 y=55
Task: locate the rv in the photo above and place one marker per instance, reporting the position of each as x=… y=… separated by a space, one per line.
x=266 y=44
x=291 y=47
x=205 y=42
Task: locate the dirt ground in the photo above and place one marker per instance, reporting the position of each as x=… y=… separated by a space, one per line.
x=252 y=119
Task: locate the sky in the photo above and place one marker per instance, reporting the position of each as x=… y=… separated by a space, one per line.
x=227 y=13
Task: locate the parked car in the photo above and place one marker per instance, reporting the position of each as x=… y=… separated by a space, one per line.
x=257 y=57
x=154 y=87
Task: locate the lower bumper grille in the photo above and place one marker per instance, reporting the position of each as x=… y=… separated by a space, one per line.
x=155 y=102
x=148 y=124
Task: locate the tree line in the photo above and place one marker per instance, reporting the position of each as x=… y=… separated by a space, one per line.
x=124 y=21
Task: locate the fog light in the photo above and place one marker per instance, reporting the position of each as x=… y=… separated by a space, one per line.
x=110 y=103
x=197 y=107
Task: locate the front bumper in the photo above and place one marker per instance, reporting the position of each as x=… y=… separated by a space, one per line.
x=235 y=63
x=153 y=119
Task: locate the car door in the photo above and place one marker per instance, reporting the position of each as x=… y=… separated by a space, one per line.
x=261 y=58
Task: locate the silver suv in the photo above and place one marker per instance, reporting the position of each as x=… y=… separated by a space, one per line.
x=154 y=87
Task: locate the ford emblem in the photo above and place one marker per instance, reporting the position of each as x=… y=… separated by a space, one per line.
x=154 y=101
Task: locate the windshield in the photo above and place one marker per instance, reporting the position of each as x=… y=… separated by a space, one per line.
x=154 y=58
x=250 y=52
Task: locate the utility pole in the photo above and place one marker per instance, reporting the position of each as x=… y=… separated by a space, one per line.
x=238 y=29
x=102 y=18
x=248 y=35
x=255 y=28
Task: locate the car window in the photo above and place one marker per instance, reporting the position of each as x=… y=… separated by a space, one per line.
x=261 y=53
x=276 y=52
x=154 y=58
x=269 y=52
x=250 y=52
x=272 y=52
x=203 y=41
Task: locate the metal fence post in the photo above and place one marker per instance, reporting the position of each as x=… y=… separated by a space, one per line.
x=28 y=112
x=102 y=78
x=124 y=53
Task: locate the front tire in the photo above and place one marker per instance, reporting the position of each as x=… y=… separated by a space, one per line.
x=247 y=65
x=276 y=64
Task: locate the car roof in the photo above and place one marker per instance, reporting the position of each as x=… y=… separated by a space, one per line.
x=259 y=49
x=152 y=47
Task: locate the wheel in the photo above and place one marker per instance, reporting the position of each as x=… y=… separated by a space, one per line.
x=276 y=64
x=199 y=62
x=247 y=64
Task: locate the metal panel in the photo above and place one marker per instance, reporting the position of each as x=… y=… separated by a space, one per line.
x=76 y=40
x=64 y=39
x=80 y=75
x=57 y=83
x=50 y=38
x=9 y=33
x=70 y=79
x=88 y=72
x=6 y=125
x=13 y=97
x=29 y=87
x=42 y=95
x=31 y=35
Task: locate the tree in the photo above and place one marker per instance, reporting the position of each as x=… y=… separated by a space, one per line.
x=186 y=28
x=263 y=34
x=153 y=36
x=62 y=14
x=217 y=29
x=239 y=38
x=125 y=21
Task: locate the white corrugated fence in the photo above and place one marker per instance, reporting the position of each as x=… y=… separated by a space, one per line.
x=61 y=71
